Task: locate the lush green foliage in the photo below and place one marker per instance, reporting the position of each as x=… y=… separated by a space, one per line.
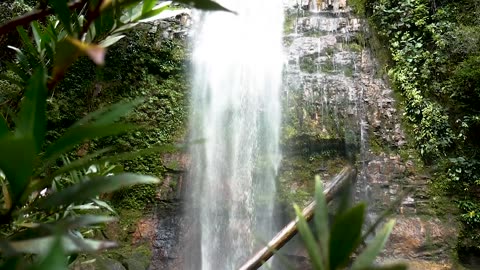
x=47 y=210
x=435 y=48
x=332 y=247
x=135 y=68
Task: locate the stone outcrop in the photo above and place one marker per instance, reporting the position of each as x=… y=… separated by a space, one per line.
x=334 y=90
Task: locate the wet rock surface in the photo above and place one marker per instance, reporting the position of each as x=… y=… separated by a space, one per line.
x=332 y=93
x=168 y=242
x=334 y=90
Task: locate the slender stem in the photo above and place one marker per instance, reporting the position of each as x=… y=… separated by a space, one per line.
x=92 y=14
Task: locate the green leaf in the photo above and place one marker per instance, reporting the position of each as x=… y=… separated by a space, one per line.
x=104 y=205
x=110 y=40
x=4 y=130
x=26 y=40
x=16 y=162
x=204 y=5
x=77 y=135
x=345 y=199
x=63 y=12
x=154 y=14
x=70 y=244
x=321 y=221
x=124 y=28
x=345 y=235
x=91 y=34
x=367 y=257
x=66 y=52
x=55 y=259
x=81 y=163
x=148 y=5
x=37 y=35
x=109 y=114
x=32 y=120
x=309 y=240
x=18 y=71
x=83 y=221
x=94 y=187
x=87 y=160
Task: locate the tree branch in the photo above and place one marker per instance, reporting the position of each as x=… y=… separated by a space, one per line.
x=346 y=176
x=35 y=15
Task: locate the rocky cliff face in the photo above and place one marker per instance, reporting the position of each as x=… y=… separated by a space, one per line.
x=337 y=109
x=334 y=91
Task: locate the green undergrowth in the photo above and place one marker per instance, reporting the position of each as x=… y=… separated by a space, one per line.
x=297 y=174
x=131 y=253
x=135 y=67
x=430 y=51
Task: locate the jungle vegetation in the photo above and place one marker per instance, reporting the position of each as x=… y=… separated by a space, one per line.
x=67 y=134
x=431 y=51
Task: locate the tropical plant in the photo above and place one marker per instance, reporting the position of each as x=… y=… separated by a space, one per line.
x=333 y=246
x=46 y=209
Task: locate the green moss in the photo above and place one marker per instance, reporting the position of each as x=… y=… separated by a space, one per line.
x=137 y=197
x=133 y=256
x=135 y=67
x=348 y=71
x=298 y=173
x=289 y=23
x=355 y=47
x=307 y=64
x=359 y=6
x=327 y=66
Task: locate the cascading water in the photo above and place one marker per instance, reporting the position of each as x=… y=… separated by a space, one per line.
x=237 y=74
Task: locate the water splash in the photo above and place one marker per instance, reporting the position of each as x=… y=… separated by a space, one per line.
x=237 y=72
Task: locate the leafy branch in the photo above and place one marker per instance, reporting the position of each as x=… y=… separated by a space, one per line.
x=36 y=15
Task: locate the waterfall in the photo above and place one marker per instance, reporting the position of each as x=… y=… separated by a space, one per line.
x=237 y=73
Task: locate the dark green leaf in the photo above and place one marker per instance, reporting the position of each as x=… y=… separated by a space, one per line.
x=26 y=40
x=104 y=205
x=66 y=52
x=110 y=114
x=37 y=36
x=346 y=201
x=204 y=5
x=87 y=161
x=309 y=240
x=55 y=259
x=367 y=257
x=321 y=220
x=94 y=187
x=83 y=221
x=18 y=71
x=106 y=22
x=76 y=135
x=13 y=263
x=3 y=127
x=70 y=244
x=345 y=235
x=81 y=163
x=124 y=28
x=63 y=12
x=32 y=120
x=16 y=162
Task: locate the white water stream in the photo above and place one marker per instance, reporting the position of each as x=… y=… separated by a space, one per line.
x=237 y=74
